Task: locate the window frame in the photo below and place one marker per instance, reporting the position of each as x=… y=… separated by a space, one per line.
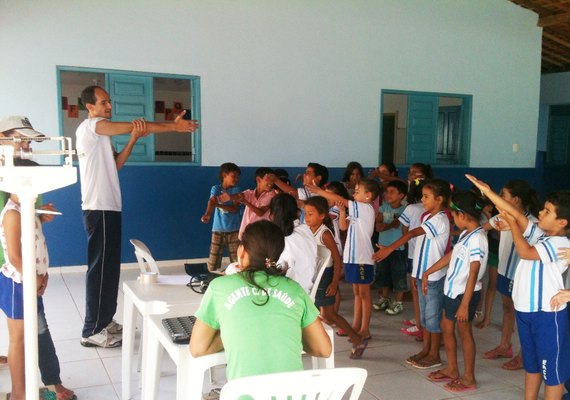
x=465 y=136
x=196 y=106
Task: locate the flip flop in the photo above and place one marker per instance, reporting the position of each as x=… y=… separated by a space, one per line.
x=439 y=376
x=496 y=353
x=412 y=359
x=513 y=364
x=457 y=386
x=358 y=350
x=341 y=332
x=366 y=338
x=419 y=364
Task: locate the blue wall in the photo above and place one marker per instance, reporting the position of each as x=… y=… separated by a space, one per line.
x=163 y=206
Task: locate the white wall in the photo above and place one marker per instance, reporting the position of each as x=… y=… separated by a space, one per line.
x=299 y=79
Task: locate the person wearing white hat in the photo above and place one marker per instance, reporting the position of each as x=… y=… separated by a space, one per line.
x=101 y=205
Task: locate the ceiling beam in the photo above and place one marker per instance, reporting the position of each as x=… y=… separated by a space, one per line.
x=554 y=19
x=556 y=39
x=551 y=61
x=554 y=54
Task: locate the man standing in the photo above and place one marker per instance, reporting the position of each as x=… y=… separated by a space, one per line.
x=101 y=205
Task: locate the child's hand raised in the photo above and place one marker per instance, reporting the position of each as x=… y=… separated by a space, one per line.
x=314 y=189
x=508 y=218
x=482 y=186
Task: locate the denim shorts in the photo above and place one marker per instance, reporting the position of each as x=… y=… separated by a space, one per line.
x=391 y=272
x=505 y=286
x=431 y=305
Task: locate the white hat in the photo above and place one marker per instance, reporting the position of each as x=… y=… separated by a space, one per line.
x=20 y=124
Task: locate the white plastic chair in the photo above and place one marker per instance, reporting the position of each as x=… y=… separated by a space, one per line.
x=146 y=262
x=324 y=259
x=324 y=384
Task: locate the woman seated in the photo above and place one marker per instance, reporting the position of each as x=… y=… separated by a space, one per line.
x=262 y=319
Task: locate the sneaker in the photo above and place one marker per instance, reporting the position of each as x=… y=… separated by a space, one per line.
x=382 y=304
x=395 y=308
x=114 y=328
x=101 y=339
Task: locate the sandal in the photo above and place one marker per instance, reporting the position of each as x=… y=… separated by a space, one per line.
x=439 y=376
x=421 y=364
x=457 y=386
x=497 y=353
x=66 y=395
x=514 y=363
x=358 y=350
x=341 y=332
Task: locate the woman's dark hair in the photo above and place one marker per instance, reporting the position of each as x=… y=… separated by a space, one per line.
x=529 y=198
x=391 y=167
x=415 y=191
x=425 y=169
x=468 y=203
x=351 y=167
x=322 y=207
x=439 y=187
x=264 y=242
x=284 y=212
x=338 y=188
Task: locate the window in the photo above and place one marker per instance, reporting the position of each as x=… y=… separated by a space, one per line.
x=558 y=147
x=155 y=97
x=425 y=127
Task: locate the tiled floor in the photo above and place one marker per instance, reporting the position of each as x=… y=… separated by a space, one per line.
x=95 y=373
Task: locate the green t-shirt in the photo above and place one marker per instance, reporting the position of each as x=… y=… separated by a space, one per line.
x=258 y=339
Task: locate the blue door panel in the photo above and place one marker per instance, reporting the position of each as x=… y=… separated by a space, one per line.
x=422 y=128
x=132 y=98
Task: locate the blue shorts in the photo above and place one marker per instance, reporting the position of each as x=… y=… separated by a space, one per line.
x=505 y=286
x=358 y=273
x=431 y=305
x=452 y=305
x=11 y=298
x=321 y=299
x=391 y=272
x=545 y=343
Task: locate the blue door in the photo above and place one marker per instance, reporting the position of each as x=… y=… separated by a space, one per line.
x=558 y=139
x=422 y=129
x=132 y=98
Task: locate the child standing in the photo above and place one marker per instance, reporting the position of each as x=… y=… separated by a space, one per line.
x=433 y=239
x=391 y=272
x=357 y=257
x=226 y=216
x=411 y=219
x=462 y=291
x=318 y=220
x=256 y=200
x=543 y=331
x=523 y=197
x=12 y=303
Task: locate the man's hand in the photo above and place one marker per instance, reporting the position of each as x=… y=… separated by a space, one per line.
x=139 y=128
x=184 y=125
x=47 y=217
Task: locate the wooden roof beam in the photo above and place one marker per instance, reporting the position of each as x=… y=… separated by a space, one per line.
x=553 y=54
x=551 y=61
x=556 y=39
x=554 y=19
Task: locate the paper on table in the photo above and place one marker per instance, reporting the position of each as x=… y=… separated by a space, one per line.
x=173 y=279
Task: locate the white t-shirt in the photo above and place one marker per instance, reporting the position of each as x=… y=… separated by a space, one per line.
x=300 y=256
x=358 y=247
x=537 y=281
x=335 y=214
x=508 y=256
x=100 y=188
x=470 y=247
x=431 y=246
x=412 y=218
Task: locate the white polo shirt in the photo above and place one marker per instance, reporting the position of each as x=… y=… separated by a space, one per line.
x=431 y=246
x=358 y=247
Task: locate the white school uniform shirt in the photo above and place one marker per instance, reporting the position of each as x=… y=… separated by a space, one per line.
x=508 y=256
x=412 y=218
x=318 y=235
x=536 y=281
x=358 y=247
x=100 y=189
x=431 y=246
x=300 y=256
x=470 y=247
x=334 y=211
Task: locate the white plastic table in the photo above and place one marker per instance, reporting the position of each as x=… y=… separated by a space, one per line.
x=148 y=299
